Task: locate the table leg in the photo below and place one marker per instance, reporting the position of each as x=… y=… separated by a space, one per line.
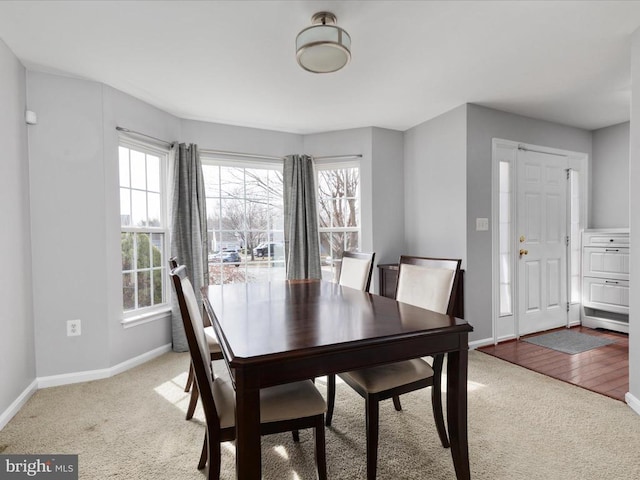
x=457 y=411
x=248 y=461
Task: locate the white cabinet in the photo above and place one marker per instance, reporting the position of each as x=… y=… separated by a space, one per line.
x=605 y=279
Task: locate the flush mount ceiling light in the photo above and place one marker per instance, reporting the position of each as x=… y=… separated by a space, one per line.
x=323 y=47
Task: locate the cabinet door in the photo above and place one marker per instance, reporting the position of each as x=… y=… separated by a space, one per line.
x=603 y=262
x=608 y=295
x=603 y=239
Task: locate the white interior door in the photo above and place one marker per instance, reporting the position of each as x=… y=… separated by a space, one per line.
x=541 y=236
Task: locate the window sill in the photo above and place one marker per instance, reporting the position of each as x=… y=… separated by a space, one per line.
x=147 y=317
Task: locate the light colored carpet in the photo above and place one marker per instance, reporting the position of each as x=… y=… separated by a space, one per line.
x=522 y=425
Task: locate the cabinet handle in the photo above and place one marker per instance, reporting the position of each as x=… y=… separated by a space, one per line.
x=611 y=249
x=611 y=281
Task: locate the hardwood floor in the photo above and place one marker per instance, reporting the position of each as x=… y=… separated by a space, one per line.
x=603 y=370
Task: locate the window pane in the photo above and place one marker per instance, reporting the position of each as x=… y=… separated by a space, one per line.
x=257 y=215
x=153 y=173
x=138 y=208
x=276 y=219
x=211 y=175
x=231 y=182
x=337 y=245
x=138 y=170
x=353 y=241
x=154 y=209
x=324 y=212
x=157 y=287
x=128 y=292
x=257 y=184
x=144 y=289
x=325 y=179
x=125 y=207
x=123 y=156
x=338 y=213
x=126 y=239
x=213 y=214
x=157 y=247
x=351 y=212
x=144 y=251
x=233 y=214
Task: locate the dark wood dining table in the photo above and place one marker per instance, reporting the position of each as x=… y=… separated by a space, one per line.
x=280 y=332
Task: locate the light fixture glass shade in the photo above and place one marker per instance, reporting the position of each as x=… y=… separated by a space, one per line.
x=323 y=48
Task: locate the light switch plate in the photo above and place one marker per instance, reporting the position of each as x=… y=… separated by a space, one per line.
x=482 y=224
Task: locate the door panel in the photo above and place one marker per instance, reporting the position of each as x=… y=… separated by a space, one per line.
x=541 y=251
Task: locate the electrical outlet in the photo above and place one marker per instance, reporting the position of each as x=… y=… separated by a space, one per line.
x=73 y=328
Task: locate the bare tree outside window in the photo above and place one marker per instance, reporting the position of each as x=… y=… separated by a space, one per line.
x=338 y=213
x=244 y=212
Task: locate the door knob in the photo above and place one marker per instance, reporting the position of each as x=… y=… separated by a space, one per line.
x=522 y=239
x=523 y=252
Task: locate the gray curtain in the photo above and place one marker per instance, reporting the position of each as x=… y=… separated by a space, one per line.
x=188 y=227
x=302 y=250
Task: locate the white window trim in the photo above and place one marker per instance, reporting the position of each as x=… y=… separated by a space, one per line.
x=144 y=315
x=140 y=318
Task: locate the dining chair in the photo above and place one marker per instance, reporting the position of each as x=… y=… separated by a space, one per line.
x=289 y=407
x=214 y=349
x=355 y=272
x=356 y=269
x=429 y=283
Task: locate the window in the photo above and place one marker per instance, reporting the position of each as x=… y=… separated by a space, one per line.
x=338 y=213
x=506 y=282
x=245 y=221
x=143 y=227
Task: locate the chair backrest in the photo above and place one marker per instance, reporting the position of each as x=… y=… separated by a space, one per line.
x=429 y=283
x=356 y=270
x=198 y=346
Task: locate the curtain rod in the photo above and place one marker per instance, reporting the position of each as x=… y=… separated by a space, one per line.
x=239 y=154
x=133 y=132
x=520 y=147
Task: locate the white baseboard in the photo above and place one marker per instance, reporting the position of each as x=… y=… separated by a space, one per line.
x=18 y=403
x=77 y=377
x=90 y=375
x=633 y=402
x=480 y=343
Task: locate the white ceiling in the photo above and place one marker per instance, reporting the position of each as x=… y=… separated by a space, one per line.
x=234 y=62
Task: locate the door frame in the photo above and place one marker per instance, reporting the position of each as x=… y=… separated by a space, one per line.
x=506 y=327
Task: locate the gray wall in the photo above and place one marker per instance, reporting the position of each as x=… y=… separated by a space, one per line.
x=387 y=203
x=17 y=352
x=484 y=124
x=634 y=222
x=435 y=186
x=68 y=227
x=216 y=136
x=610 y=177
x=75 y=222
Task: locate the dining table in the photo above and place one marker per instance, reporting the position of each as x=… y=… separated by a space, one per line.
x=280 y=332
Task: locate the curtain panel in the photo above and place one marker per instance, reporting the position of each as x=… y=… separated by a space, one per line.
x=188 y=227
x=302 y=249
